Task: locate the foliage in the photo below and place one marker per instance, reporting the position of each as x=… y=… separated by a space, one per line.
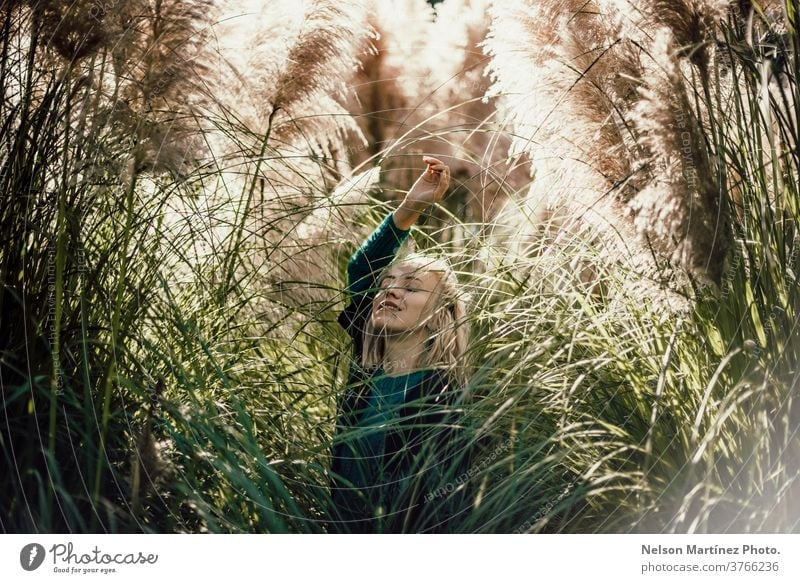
x=177 y=214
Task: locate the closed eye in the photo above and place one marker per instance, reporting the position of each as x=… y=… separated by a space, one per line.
x=410 y=284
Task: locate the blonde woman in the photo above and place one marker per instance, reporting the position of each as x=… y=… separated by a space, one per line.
x=397 y=423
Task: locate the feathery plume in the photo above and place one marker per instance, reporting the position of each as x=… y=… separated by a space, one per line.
x=584 y=91
x=285 y=65
x=565 y=96
x=421 y=89
x=392 y=80
x=679 y=211
x=305 y=268
x=73 y=29
x=161 y=79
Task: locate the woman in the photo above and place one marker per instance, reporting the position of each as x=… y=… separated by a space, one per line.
x=397 y=432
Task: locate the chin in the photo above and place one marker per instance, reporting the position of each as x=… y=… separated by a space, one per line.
x=388 y=326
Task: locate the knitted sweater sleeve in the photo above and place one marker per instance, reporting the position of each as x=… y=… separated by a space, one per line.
x=375 y=253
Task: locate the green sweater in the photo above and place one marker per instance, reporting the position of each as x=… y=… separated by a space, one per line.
x=361 y=458
x=364 y=468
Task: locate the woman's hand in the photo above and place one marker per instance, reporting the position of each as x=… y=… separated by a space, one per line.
x=431 y=186
x=429 y=189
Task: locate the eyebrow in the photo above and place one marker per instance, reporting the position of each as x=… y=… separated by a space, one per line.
x=406 y=276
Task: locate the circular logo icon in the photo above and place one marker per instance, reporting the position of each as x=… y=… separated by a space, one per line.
x=31 y=556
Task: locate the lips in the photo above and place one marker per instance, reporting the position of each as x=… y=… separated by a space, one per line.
x=389 y=305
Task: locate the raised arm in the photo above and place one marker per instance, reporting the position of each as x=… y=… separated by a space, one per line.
x=375 y=253
x=382 y=244
x=427 y=190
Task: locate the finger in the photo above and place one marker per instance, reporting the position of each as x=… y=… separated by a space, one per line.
x=431 y=160
x=444 y=177
x=430 y=175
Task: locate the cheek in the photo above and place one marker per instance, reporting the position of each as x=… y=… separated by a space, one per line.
x=417 y=308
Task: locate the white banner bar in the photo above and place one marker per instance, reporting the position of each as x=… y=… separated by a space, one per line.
x=400 y=558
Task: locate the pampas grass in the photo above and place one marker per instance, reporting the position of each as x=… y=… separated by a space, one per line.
x=186 y=182
x=680 y=210
x=594 y=70
x=422 y=89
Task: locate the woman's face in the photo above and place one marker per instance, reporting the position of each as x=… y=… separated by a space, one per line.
x=405 y=298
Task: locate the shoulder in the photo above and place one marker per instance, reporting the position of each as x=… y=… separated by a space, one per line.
x=442 y=387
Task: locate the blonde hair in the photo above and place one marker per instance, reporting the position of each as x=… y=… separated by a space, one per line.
x=448 y=325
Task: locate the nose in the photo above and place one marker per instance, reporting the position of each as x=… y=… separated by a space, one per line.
x=393 y=291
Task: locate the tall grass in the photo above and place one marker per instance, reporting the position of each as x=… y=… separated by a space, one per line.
x=179 y=204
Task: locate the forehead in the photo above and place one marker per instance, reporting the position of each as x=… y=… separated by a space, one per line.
x=424 y=273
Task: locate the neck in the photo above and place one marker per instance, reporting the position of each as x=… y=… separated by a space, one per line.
x=402 y=352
